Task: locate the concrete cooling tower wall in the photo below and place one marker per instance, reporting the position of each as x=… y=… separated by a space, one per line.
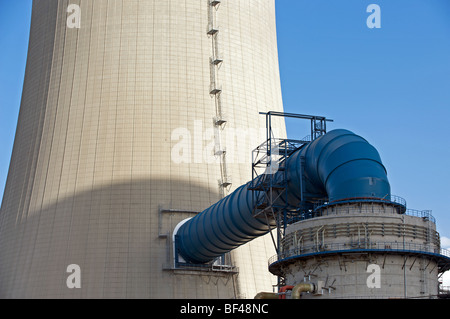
x=135 y=115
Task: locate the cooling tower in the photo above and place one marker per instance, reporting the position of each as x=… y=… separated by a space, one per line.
x=135 y=116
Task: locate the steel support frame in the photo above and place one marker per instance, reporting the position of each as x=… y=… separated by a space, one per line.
x=274 y=152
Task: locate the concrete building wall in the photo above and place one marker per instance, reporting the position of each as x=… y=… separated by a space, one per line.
x=347 y=276
x=105 y=111
x=339 y=246
x=363 y=226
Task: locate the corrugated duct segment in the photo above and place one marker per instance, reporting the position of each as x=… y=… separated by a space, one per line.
x=339 y=166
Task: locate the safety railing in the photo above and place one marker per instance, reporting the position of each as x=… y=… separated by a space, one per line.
x=319 y=210
x=398 y=200
x=394 y=200
x=425 y=214
x=335 y=247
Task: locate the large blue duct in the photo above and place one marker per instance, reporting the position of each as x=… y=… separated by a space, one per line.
x=339 y=165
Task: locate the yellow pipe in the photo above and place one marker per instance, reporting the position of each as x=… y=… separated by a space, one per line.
x=298 y=289
x=266 y=295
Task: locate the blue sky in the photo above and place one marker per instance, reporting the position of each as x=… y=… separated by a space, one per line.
x=390 y=85
x=15 y=19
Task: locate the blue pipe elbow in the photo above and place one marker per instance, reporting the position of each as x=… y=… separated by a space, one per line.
x=339 y=165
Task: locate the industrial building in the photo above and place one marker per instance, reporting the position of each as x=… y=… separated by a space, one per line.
x=136 y=159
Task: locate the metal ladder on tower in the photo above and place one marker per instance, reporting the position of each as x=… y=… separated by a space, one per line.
x=215 y=61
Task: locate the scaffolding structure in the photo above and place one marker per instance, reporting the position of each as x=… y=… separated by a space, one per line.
x=269 y=176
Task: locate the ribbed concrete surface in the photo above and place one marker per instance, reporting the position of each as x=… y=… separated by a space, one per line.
x=92 y=164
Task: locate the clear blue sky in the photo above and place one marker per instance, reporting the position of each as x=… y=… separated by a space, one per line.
x=390 y=85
